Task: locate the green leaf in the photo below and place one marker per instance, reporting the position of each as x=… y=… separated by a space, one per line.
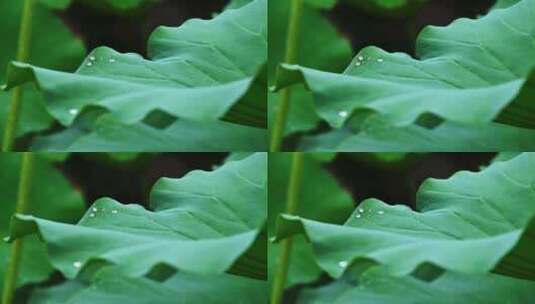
x=469 y=73
x=234 y=4
x=48 y=185
x=203 y=70
x=376 y=134
x=59 y=294
x=315 y=30
x=65 y=55
x=505 y=156
x=107 y=134
x=376 y=288
x=208 y=222
x=505 y=3
x=318 y=187
x=466 y=224
x=110 y=287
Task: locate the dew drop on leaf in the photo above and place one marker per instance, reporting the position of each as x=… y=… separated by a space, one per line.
x=112 y=60
x=360 y=58
x=343 y=264
x=361 y=210
x=114 y=211
x=92 y=215
x=89 y=64
x=381 y=212
x=343 y=114
x=77 y=264
x=380 y=60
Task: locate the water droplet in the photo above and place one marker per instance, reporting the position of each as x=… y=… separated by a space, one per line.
x=73 y=111
x=343 y=264
x=92 y=58
x=380 y=60
x=358 y=63
x=381 y=212
x=343 y=114
x=360 y=58
x=77 y=264
x=91 y=215
x=358 y=215
x=361 y=210
x=114 y=211
x=95 y=209
x=112 y=60
x=89 y=64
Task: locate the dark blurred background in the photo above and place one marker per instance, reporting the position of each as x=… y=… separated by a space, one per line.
x=128 y=178
x=129 y=32
x=391 y=177
x=395 y=178
x=398 y=33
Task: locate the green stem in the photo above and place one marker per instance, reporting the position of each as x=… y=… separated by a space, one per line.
x=12 y=271
x=292 y=203
x=22 y=55
x=292 y=48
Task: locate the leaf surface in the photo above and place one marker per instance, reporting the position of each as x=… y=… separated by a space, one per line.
x=44 y=198
x=318 y=187
x=203 y=213
x=203 y=70
x=377 y=134
x=107 y=135
x=110 y=287
x=316 y=30
x=466 y=224
x=470 y=72
x=376 y=288
x=66 y=54
x=505 y=3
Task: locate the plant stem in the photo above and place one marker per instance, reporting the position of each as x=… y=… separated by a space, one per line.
x=12 y=271
x=22 y=55
x=292 y=203
x=292 y=48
